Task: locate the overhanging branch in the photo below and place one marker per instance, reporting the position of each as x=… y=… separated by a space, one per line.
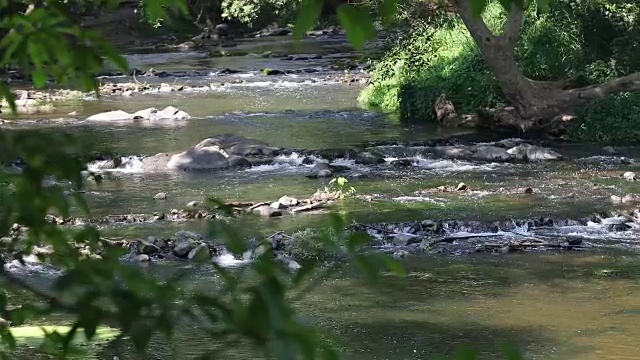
x=628 y=83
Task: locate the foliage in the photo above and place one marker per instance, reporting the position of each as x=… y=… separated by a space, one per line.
x=614 y=118
x=436 y=58
x=340 y=185
x=588 y=40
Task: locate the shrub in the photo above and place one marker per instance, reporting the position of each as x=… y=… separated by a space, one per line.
x=614 y=118
x=435 y=58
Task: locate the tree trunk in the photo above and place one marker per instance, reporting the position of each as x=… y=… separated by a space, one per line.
x=536 y=103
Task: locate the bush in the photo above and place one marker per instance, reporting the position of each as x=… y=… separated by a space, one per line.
x=435 y=58
x=589 y=40
x=614 y=118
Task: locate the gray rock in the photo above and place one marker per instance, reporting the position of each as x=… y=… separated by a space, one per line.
x=115 y=115
x=278 y=205
x=402 y=163
x=207 y=155
x=454 y=152
x=238 y=161
x=616 y=199
x=324 y=173
x=461 y=187
x=533 y=153
x=491 y=153
x=183 y=247
x=610 y=150
x=160 y=196
x=200 y=253
x=266 y=211
x=404 y=239
x=146 y=247
x=192 y=204
x=320 y=166
x=154 y=163
x=368 y=158
x=288 y=201
x=629 y=176
x=143 y=258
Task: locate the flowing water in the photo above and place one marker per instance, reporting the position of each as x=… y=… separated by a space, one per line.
x=553 y=305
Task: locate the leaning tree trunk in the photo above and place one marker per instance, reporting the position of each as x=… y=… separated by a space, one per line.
x=535 y=103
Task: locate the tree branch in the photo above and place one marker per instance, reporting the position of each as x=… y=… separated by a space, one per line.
x=629 y=83
x=476 y=25
x=513 y=26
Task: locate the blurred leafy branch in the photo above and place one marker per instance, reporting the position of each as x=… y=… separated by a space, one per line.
x=255 y=303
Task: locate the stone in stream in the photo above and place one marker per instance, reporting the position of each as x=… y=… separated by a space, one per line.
x=610 y=150
x=222 y=152
x=160 y=196
x=266 y=211
x=288 y=201
x=491 y=153
x=369 y=158
x=277 y=205
x=629 y=176
x=146 y=247
x=402 y=163
x=200 y=253
x=143 y=258
x=192 y=204
x=168 y=113
x=533 y=153
x=461 y=187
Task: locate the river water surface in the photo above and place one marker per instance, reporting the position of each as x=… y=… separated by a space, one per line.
x=553 y=305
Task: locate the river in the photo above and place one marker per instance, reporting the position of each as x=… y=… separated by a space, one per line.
x=554 y=305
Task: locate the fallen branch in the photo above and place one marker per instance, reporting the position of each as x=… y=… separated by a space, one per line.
x=309 y=207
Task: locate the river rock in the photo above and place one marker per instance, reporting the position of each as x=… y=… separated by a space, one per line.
x=204 y=156
x=629 y=176
x=266 y=211
x=322 y=169
x=110 y=116
x=192 y=204
x=277 y=205
x=368 y=158
x=461 y=187
x=288 y=201
x=146 y=247
x=200 y=253
x=160 y=196
x=455 y=152
x=402 y=163
x=491 y=153
x=182 y=247
x=143 y=258
x=533 y=153
x=610 y=150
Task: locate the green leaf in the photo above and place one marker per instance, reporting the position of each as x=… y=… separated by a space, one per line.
x=477 y=7
x=308 y=13
x=358 y=24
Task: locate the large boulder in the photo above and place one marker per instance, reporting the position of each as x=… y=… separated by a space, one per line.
x=116 y=115
x=223 y=151
x=206 y=155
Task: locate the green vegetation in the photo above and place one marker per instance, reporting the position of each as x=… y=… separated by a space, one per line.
x=586 y=41
x=614 y=118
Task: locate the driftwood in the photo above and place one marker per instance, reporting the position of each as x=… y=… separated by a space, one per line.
x=309 y=207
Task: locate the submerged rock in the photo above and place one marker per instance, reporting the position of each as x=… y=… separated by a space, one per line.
x=200 y=253
x=160 y=196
